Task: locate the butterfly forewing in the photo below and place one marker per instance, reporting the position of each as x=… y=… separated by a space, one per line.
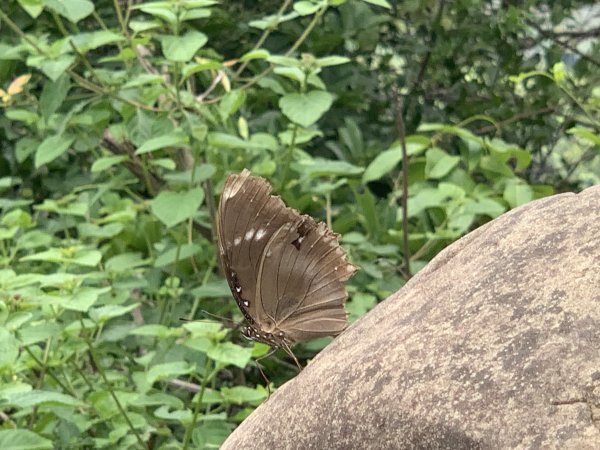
x=248 y=216
x=286 y=272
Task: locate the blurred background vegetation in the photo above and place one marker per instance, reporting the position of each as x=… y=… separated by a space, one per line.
x=120 y=120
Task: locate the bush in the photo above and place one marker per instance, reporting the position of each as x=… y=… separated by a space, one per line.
x=122 y=119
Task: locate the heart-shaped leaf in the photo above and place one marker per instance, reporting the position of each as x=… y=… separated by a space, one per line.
x=306 y=108
x=172 y=208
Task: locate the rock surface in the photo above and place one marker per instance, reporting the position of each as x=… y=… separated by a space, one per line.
x=494 y=345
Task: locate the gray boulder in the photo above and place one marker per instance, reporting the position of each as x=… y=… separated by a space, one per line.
x=494 y=345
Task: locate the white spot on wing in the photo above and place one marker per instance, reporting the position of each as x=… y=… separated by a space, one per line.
x=246 y=303
x=238 y=289
x=260 y=234
x=237 y=241
x=249 y=234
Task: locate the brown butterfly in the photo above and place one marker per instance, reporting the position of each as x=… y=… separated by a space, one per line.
x=285 y=271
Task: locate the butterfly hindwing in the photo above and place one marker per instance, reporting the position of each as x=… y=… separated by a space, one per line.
x=307 y=270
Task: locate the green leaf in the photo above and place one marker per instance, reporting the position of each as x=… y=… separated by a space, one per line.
x=162 y=10
x=305 y=109
x=54 y=68
x=212 y=330
x=83 y=298
x=22 y=115
x=81 y=256
x=293 y=73
x=305 y=8
x=193 y=14
x=286 y=61
x=96 y=231
x=125 y=262
x=37 y=333
x=485 y=206
x=173 y=255
x=51 y=148
x=53 y=95
x=324 y=167
x=424 y=199
x=272 y=21
x=382 y=3
x=61 y=207
x=174 y=139
x=34 y=239
x=230 y=353
x=168 y=370
x=25 y=146
x=106 y=162
x=212 y=289
x=9 y=349
x=139 y=26
x=332 y=61
x=33 y=7
x=143 y=79
x=156 y=330
x=73 y=10
x=172 y=208
x=183 y=48
x=19 y=439
x=386 y=161
x=439 y=163
x=517 y=193
x=495 y=167
x=243 y=394
x=231 y=102
x=224 y=140
x=382 y=164
x=90 y=41
x=107 y=312
x=182 y=415
x=8 y=233
x=36 y=398
x=259 y=53
x=158 y=398
x=586 y=134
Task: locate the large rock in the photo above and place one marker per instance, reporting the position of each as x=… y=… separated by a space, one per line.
x=495 y=344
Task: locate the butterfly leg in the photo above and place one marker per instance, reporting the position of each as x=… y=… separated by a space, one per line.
x=289 y=351
x=262 y=373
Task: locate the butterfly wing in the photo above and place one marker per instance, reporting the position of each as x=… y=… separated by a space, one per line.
x=301 y=281
x=248 y=217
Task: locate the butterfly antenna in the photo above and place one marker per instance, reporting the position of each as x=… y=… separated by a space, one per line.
x=233 y=323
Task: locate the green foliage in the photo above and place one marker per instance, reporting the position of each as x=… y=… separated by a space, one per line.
x=120 y=123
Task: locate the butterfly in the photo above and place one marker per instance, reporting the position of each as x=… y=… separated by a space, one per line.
x=285 y=271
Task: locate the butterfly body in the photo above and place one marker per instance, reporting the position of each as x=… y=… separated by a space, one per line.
x=285 y=271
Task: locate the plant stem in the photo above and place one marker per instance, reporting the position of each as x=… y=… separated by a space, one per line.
x=198 y=405
x=112 y=392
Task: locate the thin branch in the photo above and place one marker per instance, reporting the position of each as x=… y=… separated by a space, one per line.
x=291 y=50
x=264 y=36
x=515 y=118
x=555 y=38
x=593 y=32
x=399 y=103
x=432 y=39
